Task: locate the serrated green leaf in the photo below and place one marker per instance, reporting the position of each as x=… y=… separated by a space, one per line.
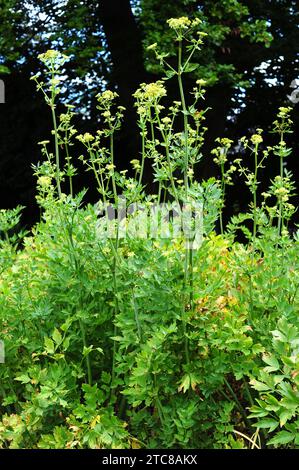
x=190 y=67
x=169 y=74
x=282 y=437
x=259 y=386
x=284 y=416
x=267 y=423
x=24 y=379
x=272 y=400
x=271 y=361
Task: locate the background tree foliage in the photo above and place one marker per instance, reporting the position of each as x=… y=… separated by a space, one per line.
x=249 y=60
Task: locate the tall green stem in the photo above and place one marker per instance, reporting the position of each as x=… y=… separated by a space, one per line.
x=188 y=268
x=112 y=161
x=166 y=142
x=81 y=324
x=87 y=359
x=255 y=195
x=185 y=118
x=68 y=159
x=143 y=154
x=222 y=201
x=280 y=216
x=57 y=158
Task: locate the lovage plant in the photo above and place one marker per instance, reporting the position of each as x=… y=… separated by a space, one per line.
x=130 y=323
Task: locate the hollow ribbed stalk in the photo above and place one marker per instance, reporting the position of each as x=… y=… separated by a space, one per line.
x=222 y=202
x=159 y=192
x=254 y=196
x=166 y=142
x=188 y=268
x=280 y=216
x=87 y=359
x=143 y=153
x=136 y=316
x=68 y=158
x=116 y=310
x=170 y=172
x=100 y=181
x=114 y=266
x=159 y=405
x=237 y=402
x=81 y=324
x=112 y=161
x=57 y=157
x=182 y=95
x=191 y=278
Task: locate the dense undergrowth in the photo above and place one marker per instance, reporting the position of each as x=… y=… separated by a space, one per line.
x=148 y=331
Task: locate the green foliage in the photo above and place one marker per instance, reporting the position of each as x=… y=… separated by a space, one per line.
x=277 y=384
x=119 y=334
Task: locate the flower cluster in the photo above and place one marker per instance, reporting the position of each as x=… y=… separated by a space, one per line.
x=256 y=139
x=44 y=181
x=85 y=138
x=53 y=58
x=150 y=92
x=201 y=82
x=182 y=26
x=179 y=23
x=152 y=47
x=282 y=193
x=105 y=103
x=182 y=23
x=283 y=122
x=135 y=164
x=106 y=96
x=284 y=112
x=220 y=152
